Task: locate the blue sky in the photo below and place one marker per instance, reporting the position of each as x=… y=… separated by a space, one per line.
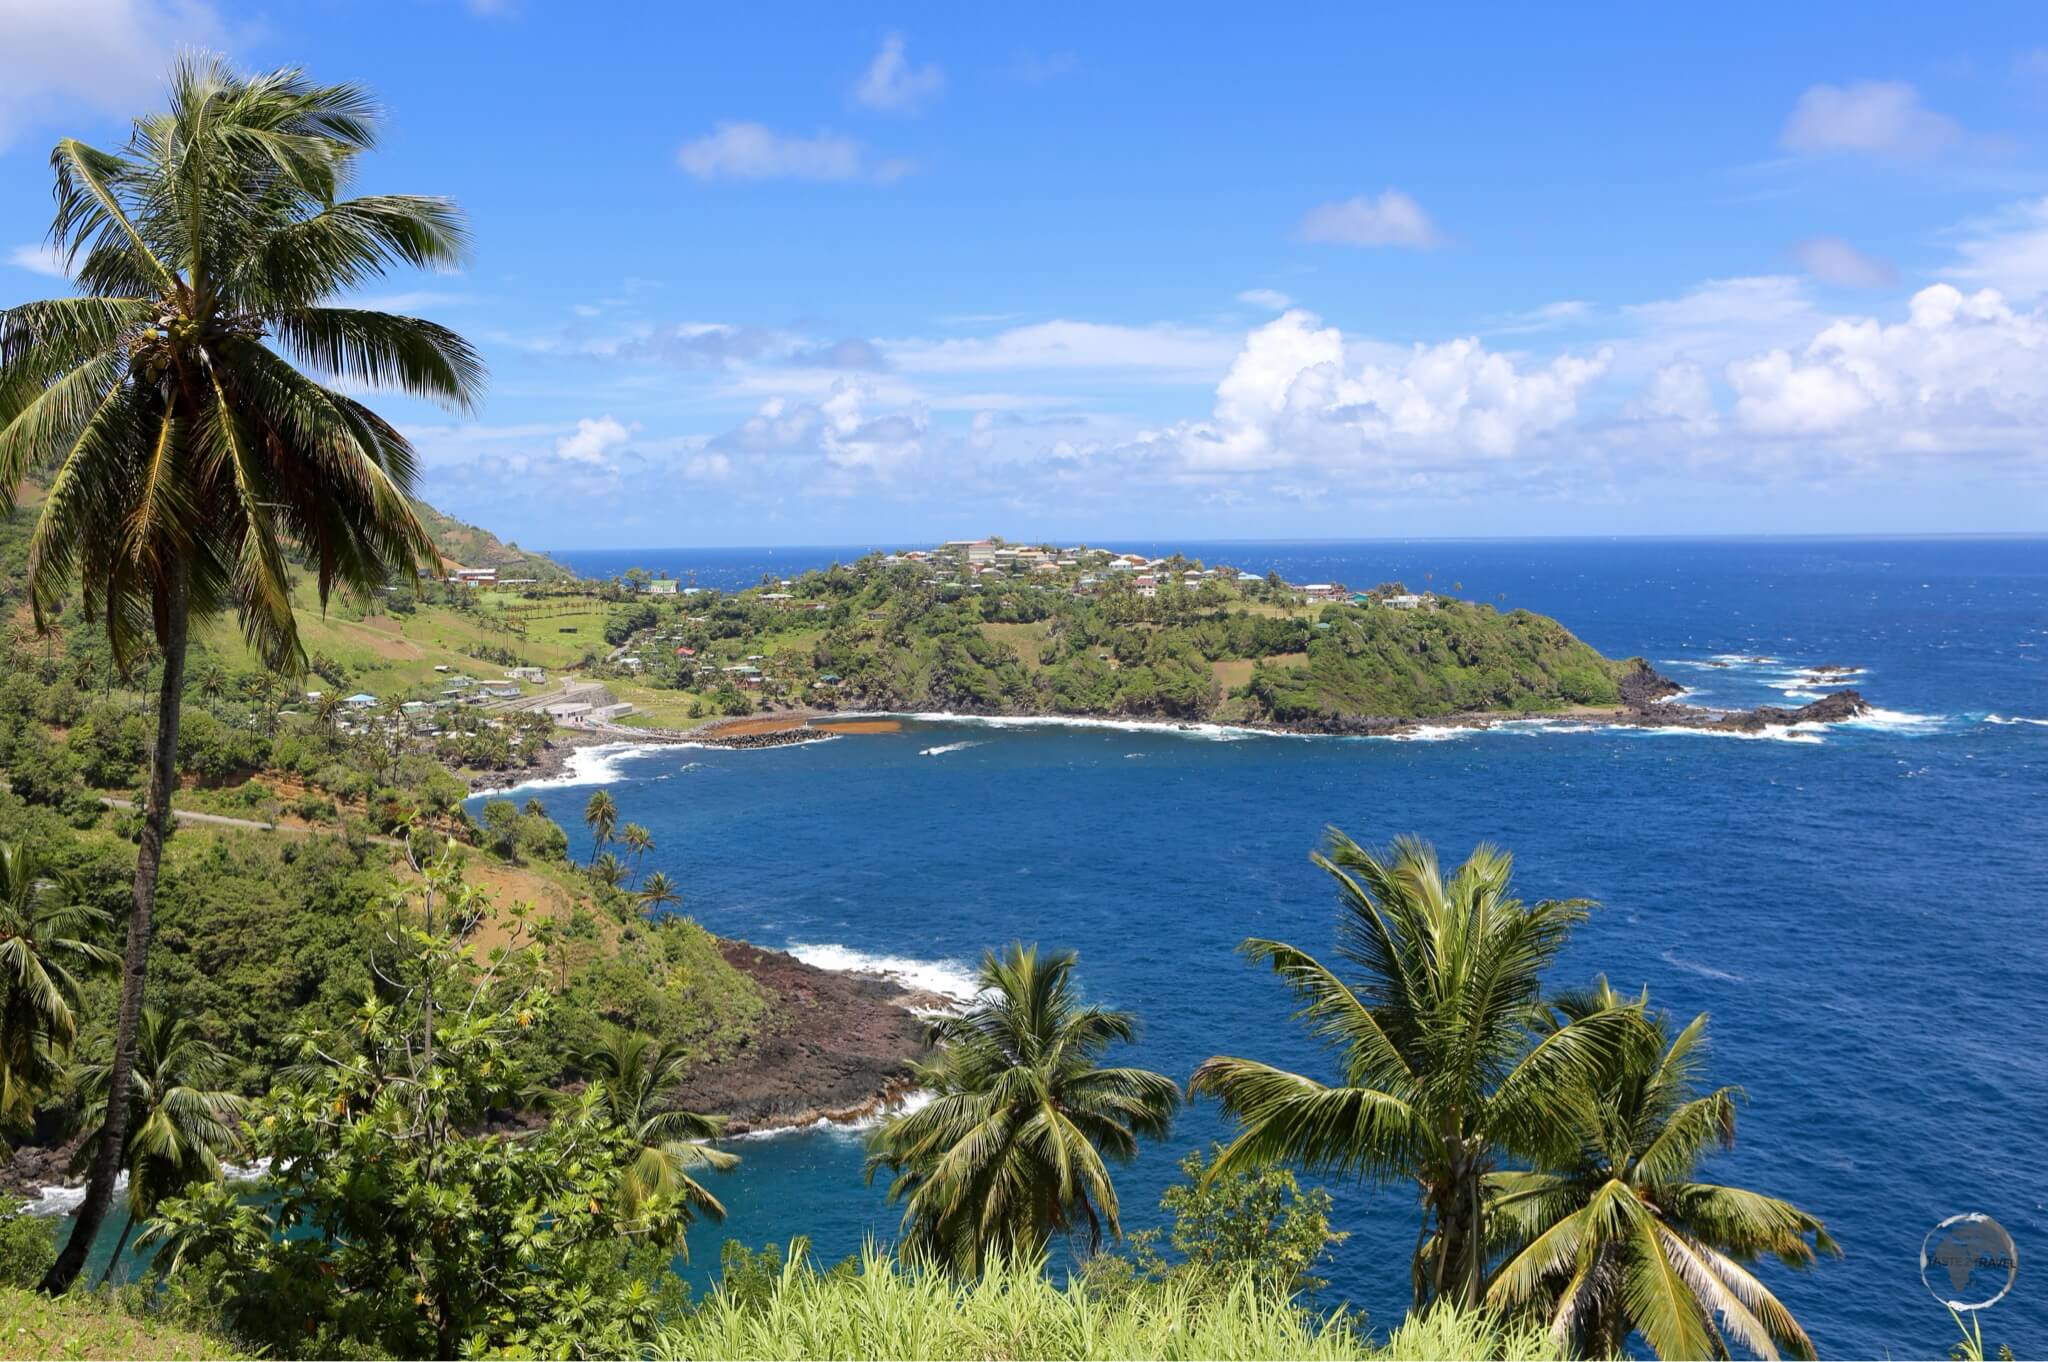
x=845 y=274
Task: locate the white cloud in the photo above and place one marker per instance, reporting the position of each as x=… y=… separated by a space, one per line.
x=1390 y=219
x=1548 y=317
x=38 y=259
x=103 y=57
x=1291 y=399
x=594 y=440
x=1834 y=261
x=1181 y=352
x=707 y=468
x=1962 y=372
x=1270 y=298
x=893 y=85
x=751 y=151
x=844 y=429
x=2008 y=253
x=1872 y=117
x=1678 y=395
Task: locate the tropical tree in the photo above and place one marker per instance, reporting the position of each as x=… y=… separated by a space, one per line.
x=637 y=840
x=639 y=1077
x=180 y=1122
x=600 y=815
x=43 y=950
x=658 y=892
x=1621 y=1239
x=188 y=451
x=1443 y=1069
x=1011 y=1149
x=608 y=870
x=327 y=709
x=213 y=682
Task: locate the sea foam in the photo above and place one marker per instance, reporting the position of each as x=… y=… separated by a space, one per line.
x=948 y=978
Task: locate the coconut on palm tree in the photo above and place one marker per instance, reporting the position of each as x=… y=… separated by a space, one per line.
x=1435 y=1025
x=1013 y=1148
x=658 y=892
x=43 y=922
x=180 y=1122
x=639 y=1077
x=600 y=815
x=1620 y=1239
x=174 y=407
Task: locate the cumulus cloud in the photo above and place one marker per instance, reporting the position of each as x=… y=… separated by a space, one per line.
x=753 y=151
x=893 y=85
x=1678 y=395
x=105 y=57
x=1834 y=261
x=1872 y=118
x=1961 y=372
x=37 y=259
x=1388 y=219
x=593 y=441
x=1270 y=298
x=845 y=428
x=1291 y=398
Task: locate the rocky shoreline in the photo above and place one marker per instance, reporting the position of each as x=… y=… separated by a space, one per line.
x=842 y=1046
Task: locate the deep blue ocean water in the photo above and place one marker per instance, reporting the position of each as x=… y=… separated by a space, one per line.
x=1860 y=910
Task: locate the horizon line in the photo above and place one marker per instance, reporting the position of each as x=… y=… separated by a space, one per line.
x=1851 y=536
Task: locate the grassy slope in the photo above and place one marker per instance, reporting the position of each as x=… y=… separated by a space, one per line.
x=34 y=1326
x=472 y=546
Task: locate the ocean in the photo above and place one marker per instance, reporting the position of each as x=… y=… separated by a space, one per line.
x=1860 y=909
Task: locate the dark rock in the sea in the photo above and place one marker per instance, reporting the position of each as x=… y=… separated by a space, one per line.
x=781 y=737
x=1643 y=685
x=1829 y=709
x=837 y=1047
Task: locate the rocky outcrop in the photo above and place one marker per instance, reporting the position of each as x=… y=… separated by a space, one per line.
x=1829 y=709
x=1643 y=685
x=838 y=1046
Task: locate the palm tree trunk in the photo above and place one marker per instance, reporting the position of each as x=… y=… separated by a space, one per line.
x=156 y=813
x=127 y=1226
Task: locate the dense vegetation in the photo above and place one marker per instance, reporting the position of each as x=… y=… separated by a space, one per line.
x=918 y=636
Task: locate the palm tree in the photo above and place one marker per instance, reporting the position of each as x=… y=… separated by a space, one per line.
x=180 y=1122
x=1442 y=1069
x=639 y=1077
x=1619 y=1238
x=188 y=451
x=608 y=870
x=1011 y=1149
x=42 y=922
x=327 y=709
x=637 y=840
x=600 y=815
x=658 y=892
x=213 y=683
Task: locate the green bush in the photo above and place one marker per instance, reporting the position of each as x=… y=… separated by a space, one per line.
x=28 y=1245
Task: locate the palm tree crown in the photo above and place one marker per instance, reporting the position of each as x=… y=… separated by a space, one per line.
x=600 y=815
x=1619 y=1237
x=180 y=1121
x=1436 y=1032
x=1010 y=1151
x=42 y=946
x=658 y=892
x=639 y=1077
x=172 y=407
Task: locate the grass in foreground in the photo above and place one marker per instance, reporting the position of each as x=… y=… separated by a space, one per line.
x=883 y=1310
x=90 y=1326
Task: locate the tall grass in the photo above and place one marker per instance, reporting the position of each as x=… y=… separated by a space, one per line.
x=883 y=1310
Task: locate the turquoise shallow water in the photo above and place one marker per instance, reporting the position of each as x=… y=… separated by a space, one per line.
x=1860 y=909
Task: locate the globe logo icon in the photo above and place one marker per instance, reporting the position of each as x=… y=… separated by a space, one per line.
x=1968 y=1261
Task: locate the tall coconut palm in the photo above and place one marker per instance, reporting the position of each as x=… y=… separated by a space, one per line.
x=658 y=892
x=213 y=683
x=327 y=709
x=600 y=815
x=1011 y=1149
x=640 y=1076
x=1621 y=1239
x=180 y=1122
x=187 y=450
x=637 y=840
x=1436 y=1032
x=43 y=950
